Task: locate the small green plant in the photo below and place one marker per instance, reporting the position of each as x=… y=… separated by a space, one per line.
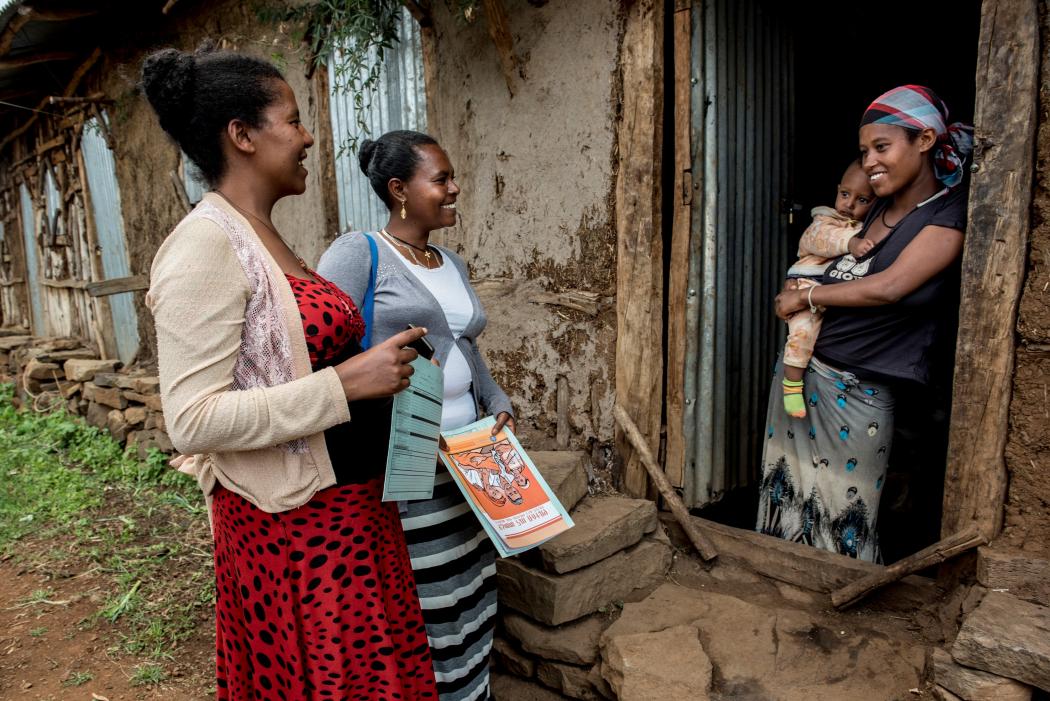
x=77 y=678
x=148 y=675
x=73 y=498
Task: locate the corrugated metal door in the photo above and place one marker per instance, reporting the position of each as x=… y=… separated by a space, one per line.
x=32 y=267
x=742 y=139
x=109 y=223
x=399 y=102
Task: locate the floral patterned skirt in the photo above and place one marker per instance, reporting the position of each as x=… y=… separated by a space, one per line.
x=822 y=475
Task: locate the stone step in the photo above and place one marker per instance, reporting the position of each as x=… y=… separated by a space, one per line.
x=558 y=598
x=973 y=684
x=1009 y=637
x=775 y=653
x=1021 y=574
x=669 y=665
x=570 y=680
x=508 y=688
x=575 y=643
x=509 y=658
x=604 y=525
x=564 y=472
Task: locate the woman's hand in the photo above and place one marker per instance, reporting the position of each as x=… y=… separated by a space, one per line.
x=790 y=301
x=504 y=419
x=382 y=370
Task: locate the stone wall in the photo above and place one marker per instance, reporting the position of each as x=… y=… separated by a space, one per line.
x=49 y=373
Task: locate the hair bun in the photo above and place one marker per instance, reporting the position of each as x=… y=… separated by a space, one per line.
x=168 y=81
x=365 y=154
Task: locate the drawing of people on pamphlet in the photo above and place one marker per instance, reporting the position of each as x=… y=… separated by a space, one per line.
x=512 y=500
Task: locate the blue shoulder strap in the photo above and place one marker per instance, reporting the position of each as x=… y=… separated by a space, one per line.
x=369 y=301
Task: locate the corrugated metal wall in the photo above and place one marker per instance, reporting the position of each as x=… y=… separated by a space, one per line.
x=109 y=224
x=398 y=103
x=742 y=133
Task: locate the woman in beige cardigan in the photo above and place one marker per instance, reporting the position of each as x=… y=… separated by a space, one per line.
x=259 y=360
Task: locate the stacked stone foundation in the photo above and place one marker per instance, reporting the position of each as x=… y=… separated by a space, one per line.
x=49 y=373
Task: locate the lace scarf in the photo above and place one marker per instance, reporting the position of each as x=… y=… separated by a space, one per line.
x=265 y=358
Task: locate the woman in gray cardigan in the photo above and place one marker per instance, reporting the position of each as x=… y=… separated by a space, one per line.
x=426 y=285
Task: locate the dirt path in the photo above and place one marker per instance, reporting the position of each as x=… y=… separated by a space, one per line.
x=52 y=646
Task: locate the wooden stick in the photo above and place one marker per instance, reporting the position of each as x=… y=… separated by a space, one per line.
x=562 y=433
x=945 y=549
x=681 y=514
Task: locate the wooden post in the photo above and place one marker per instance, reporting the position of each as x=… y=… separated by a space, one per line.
x=563 y=430
x=639 y=241
x=678 y=287
x=681 y=514
x=105 y=334
x=935 y=554
x=993 y=264
x=326 y=155
x=499 y=31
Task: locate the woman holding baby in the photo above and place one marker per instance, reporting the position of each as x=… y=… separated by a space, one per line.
x=883 y=311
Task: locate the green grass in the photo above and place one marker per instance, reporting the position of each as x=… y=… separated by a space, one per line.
x=71 y=497
x=148 y=675
x=77 y=678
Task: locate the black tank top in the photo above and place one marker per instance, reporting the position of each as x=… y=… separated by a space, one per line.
x=895 y=341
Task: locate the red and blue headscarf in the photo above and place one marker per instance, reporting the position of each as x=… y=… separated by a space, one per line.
x=916 y=108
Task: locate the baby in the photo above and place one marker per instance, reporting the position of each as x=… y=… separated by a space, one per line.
x=833 y=233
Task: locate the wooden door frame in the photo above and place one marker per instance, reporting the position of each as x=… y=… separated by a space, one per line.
x=993 y=264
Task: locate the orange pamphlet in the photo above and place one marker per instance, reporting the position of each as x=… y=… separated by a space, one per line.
x=509 y=496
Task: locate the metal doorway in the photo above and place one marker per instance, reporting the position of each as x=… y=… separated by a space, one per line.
x=742 y=134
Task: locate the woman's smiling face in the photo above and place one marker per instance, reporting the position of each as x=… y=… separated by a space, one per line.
x=891 y=159
x=431 y=192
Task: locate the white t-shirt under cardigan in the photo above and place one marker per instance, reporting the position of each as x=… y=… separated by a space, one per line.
x=446 y=284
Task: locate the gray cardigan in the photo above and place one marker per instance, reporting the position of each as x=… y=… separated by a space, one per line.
x=401 y=299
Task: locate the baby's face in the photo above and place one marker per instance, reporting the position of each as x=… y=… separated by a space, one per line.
x=855 y=195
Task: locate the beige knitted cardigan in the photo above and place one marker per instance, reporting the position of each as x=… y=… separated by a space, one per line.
x=236 y=384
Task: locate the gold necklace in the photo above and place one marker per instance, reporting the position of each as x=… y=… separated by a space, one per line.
x=410 y=248
x=245 y=212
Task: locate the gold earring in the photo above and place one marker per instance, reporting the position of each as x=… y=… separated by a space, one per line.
x=403 y=212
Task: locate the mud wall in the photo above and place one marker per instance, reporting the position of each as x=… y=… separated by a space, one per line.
x=145 y=156
x=1028 y=442
x=536 y=221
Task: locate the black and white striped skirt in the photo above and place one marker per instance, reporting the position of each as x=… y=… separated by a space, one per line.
x=455 y=569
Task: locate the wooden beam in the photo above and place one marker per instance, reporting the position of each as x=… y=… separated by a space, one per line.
x=326 y=155
x=993 y=264
x=499 y=31
x=71 y=87
x=800 y=565
x=33 y=59
x=580 y=300
x=65 y=284
x=117 y=285
x=939 y=552
x=681 y=221
x=639 y=240
x=420 y=11
x=681 y=514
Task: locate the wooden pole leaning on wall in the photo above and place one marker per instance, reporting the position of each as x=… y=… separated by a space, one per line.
x=941 y=551
x=681 y=514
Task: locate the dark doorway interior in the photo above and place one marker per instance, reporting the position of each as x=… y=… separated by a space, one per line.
x=845 y=55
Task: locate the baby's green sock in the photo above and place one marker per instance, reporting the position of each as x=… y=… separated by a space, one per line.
x=794 y=402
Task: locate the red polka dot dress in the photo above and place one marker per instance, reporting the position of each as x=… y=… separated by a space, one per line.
x=319 y=602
